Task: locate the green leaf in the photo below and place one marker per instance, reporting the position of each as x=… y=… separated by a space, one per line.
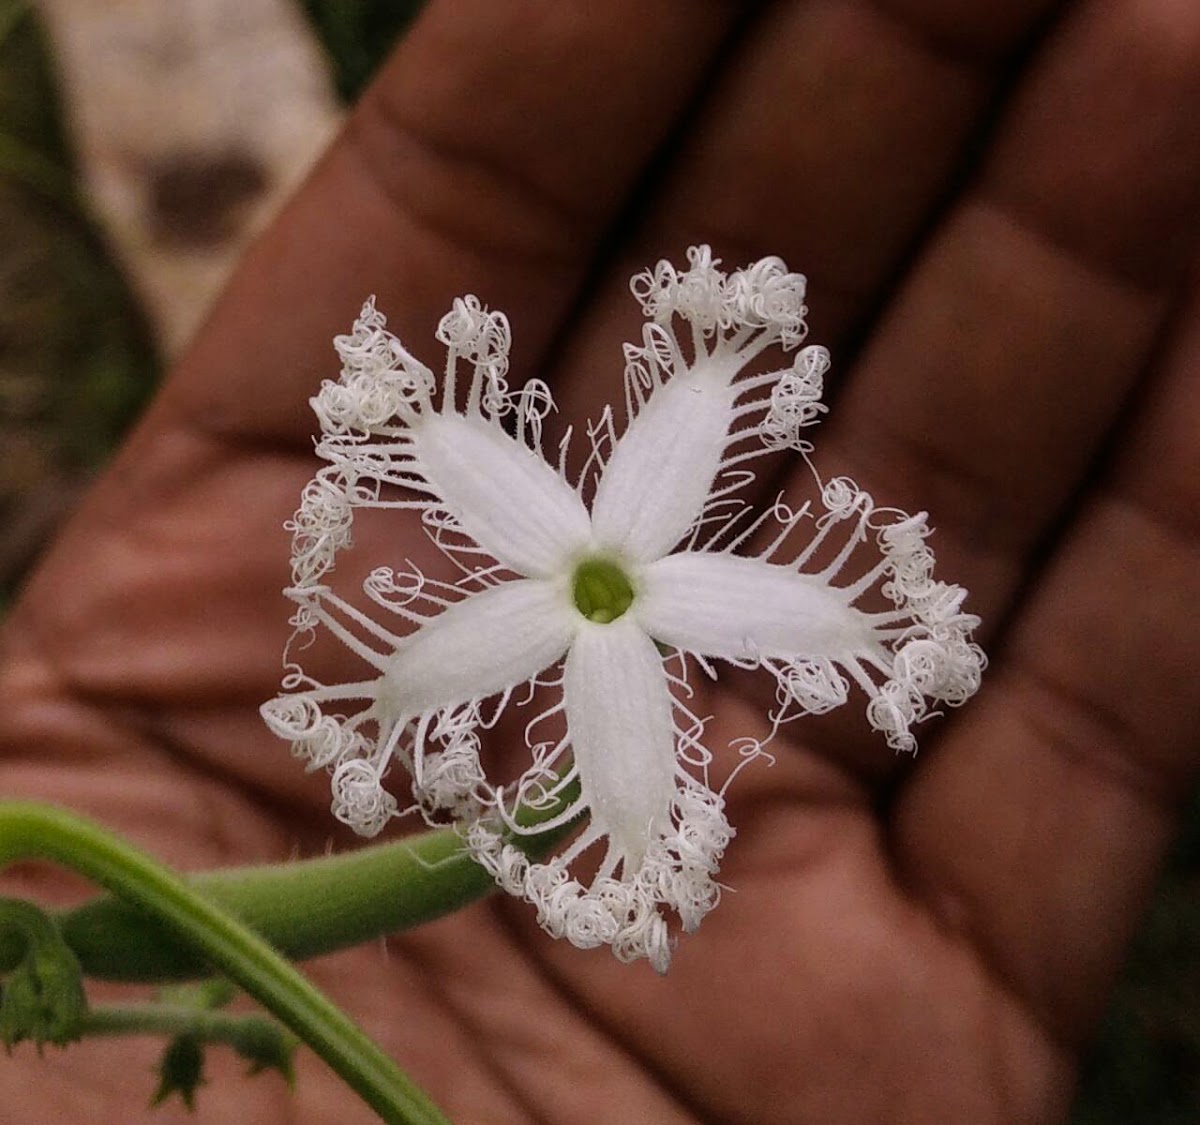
x=181 y=1071
x=43 y=998
x=267 y=1046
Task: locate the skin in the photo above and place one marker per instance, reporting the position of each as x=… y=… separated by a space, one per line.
x=996 y=207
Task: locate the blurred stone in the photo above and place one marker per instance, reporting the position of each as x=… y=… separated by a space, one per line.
x=192 y=120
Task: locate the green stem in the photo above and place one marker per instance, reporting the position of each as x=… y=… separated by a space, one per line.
x=174 y=1019
x=304 y=909
x=39 y=831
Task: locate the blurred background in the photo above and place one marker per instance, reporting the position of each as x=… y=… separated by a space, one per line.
x=142 y=145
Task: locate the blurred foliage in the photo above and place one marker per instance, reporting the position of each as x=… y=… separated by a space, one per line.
x=76 y=363
x=1144 y=1066
x=358 y=34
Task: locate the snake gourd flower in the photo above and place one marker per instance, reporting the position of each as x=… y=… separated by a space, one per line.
x=588 y=601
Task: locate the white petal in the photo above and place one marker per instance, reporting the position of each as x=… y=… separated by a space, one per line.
x=622 y=735
x=478 y=647
x=661 y=472
x=737 y=608
x=505 y=496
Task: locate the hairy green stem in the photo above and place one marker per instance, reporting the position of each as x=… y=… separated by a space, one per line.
x=304 y=908
x=40 y=831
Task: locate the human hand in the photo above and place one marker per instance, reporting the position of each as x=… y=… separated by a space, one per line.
x=905 y=943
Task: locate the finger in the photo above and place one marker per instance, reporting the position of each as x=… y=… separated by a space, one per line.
x=838 y=132
x=1026 y=322
x=489 y=156
x=1038 y=827
x=1010 y=350
x=829 y=139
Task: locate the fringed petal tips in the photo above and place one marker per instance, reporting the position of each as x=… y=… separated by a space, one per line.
x=591 y=619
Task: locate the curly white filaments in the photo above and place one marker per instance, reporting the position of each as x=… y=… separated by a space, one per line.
x=602 y=608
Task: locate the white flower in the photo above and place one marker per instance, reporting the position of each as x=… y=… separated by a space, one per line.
x=606 y=606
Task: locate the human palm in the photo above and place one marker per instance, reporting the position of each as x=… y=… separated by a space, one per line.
x=1000 y=229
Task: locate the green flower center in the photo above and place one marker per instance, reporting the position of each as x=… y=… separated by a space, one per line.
x=601 y=591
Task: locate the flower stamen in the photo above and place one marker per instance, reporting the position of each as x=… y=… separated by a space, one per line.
x=601 y=590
